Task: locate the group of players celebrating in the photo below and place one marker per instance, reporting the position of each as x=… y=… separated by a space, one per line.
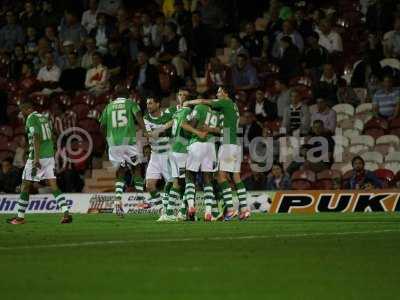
x=193 y=136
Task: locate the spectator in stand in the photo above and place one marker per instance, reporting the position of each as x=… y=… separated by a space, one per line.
x=49 y=17
x=72 y=30
x=110 y=7
x=11 y=34
x=346 y=94
x=304 y=24
x=274 y=26
x=31 y=42
x=315 y=56
x=250 y=128
x=392 y=42
x=278 y=179
x=253 y=41
x=235 y=48
x=327 y=86
x=282 y=98
x=328 y=38
x=326 y=114
x=157 y=30
x=367 y=70
x=295 y=39
x=116 y=62
x=360 y=176
x=20 y=154
x=217 y=74
x=28 y=79
x=379 y=16
x=289 y=62
x=89 y=17
x=145 y=77
x=182 y=18
x=135 y=43
x=62 y=119
x=244 y=75
x=49 y=75
x=198 y=43
x=73 y=76
x=28 y=17
x=174 y=48
x=296 y=119
x=17 y=60
x=87 y=61
x=102 y=32
x=386 y=101
x=256 y=182
x=263 y=108
x=10 y=178
x=97 y=77
x=321 y=146
x=50 y=34
x=68 y=48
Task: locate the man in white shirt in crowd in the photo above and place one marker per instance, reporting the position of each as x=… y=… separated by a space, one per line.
x=328 y=38
x=326 y=114
x=49 y=75
x=89 y=16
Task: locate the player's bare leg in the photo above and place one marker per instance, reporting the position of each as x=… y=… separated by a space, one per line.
x=22 y=204
x=61 y=202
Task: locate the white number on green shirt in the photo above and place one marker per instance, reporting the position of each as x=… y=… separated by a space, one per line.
x=119 y=118
x=46 y=131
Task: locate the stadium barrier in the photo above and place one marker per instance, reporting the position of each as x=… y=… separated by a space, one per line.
x=261 y=201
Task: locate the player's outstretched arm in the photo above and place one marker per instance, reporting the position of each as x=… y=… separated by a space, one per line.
x=196 y=102
x=189 y=128
x=213 y=130
x=139 y=119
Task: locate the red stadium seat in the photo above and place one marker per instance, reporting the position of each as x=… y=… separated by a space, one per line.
x=6 y=154
x=40 y=99
x=324 y=184
x=81 y=110
x=303 y=180
x=395 y=123
x=301 y=184
x=329 y=174
x=6 y=130
x=377 y=123
x=105 y=98
x=90 y=125
x=84 y=98
x=19 y=130
x=384 y=175
x=395 y=131
x=64 y=99
x=375 y=132
x=99 y=143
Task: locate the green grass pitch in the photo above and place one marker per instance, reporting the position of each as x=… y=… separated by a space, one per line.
x=325 y=256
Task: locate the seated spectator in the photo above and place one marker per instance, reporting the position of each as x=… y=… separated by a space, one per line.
x=366 y=70
x=321 y=147
x=72 y=30
x=360 y=176
x=20 y=154
x=326 y=114
x=328 y=38
x=68 y=47
x=304 y=24
x=288 y=30
x=28 y=81
x=135 y=43
x=48 y=16
x=244 y=75
x=11 y=34
x=49 y=75
x=116 y=62
x=17 y=60
x=315 y=56
x=250 y=128
x=97 y=77
x=289 y=61
x=90 y=45
x=346 y=94
x=327 y=86
x=256 y=182
x=31 y=42
x=296 y=118
x=235 y=48
x=174 y=48
x=50 y=34
x=73 y=76
x=263 y=108
x=182 y=17
x=282 y=99
x=253 y=41
x=145 y=76
x=217 y=74
x=277 y=179
x=102 y=33
x=10 y=178
x=89 y=17
x=29 y=17
x=386 y=101
x=392 y=41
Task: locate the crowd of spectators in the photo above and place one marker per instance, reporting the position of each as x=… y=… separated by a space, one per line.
x=288 y=67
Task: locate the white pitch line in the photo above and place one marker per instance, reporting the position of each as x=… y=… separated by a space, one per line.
x=214 y=238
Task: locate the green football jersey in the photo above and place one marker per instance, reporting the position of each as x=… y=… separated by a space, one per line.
x=119 y=120
x=39 y=125
x=203 y=115
x=180 y=138
x=161 y=143
x=230 y=113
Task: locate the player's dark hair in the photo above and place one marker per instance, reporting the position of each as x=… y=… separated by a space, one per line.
x=357 y=158
x=26 y=104
x=227 y=89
